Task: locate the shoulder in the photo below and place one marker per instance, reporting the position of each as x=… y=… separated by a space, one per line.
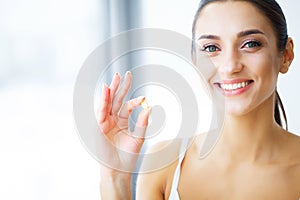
x=296 y=150
x=294 y=147
x=156 y=176
x=294 y=159
x=157 y=170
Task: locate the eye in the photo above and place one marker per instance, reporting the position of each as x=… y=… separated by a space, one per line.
x=252 y=44
x=210 y=48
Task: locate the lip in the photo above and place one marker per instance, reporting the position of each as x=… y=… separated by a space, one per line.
x=234 y=91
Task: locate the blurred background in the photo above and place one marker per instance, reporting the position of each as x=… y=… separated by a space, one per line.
x=42 y=47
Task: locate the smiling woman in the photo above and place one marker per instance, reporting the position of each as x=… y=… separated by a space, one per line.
x=277 y=22
x=255 y=157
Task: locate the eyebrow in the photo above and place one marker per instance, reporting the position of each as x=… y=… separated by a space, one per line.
x=249 y=32
x=209 y=37
x=240 y=34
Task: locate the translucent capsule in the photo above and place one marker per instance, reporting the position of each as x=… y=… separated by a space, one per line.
x=144 y=104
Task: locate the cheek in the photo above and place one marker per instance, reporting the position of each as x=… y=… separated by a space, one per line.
x=206 y=66
x=264 y=67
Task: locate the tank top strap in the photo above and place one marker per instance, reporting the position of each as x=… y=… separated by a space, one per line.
x=174 y=192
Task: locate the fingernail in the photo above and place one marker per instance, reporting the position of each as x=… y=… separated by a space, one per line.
x=104 y=86
x=128 y=72
x=114 y=76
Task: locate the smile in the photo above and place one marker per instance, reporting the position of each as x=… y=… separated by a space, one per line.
x=234 y=86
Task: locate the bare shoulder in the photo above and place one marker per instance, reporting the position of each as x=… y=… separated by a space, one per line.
x=294 y=159
x=295 y=146
x=156 y=173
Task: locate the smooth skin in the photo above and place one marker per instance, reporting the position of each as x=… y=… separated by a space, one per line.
x=254 y=157
x=113 y=117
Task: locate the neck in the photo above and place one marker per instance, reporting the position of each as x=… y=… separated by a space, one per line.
x=251 y=137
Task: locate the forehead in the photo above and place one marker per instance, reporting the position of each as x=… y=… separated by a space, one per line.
x=221 y=18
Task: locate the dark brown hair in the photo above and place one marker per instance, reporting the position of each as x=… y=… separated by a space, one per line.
x=274 y=13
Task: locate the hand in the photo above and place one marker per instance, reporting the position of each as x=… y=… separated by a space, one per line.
x=113 y=115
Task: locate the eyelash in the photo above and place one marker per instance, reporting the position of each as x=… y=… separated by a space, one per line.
x=205 y=48
x=255 y=42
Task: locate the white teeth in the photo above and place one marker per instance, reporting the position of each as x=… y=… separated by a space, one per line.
x=233 y=86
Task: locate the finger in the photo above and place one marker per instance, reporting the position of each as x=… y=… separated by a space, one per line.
x=127 y=108
x=113 y=89
x=105 y=98
x=122 y=91
x=142 y=123
x=115 y=84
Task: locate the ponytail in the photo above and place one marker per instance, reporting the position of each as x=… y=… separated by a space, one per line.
x=279 y=112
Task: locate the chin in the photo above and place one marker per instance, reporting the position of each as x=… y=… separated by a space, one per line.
x=236 y=111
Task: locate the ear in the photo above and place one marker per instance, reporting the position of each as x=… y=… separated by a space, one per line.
x=288 y=56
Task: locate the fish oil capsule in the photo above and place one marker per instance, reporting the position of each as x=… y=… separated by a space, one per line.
x=144 y=104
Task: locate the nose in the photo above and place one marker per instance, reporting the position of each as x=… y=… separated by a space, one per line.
x=230 y=63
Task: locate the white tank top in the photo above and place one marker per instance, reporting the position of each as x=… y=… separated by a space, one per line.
x=174 y=195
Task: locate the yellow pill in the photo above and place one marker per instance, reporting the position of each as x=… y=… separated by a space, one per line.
x=144 y=104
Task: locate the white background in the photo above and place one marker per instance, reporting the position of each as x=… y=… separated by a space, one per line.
x=42 y=46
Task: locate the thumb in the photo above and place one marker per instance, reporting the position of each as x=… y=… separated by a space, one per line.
x=142 y=123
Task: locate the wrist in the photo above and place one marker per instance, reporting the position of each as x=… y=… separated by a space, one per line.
x=112 y=174
x=115 y=184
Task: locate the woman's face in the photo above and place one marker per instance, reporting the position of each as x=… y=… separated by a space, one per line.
x=242 y=45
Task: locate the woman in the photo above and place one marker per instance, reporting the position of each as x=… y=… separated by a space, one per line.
x=254 y=158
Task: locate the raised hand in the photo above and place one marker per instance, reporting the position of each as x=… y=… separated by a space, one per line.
x=113 y=115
